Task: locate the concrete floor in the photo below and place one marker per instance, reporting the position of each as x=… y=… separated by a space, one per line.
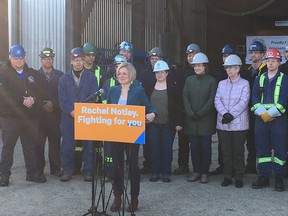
x=179 y=197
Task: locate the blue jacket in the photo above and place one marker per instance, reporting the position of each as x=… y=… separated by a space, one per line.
x=70 y=93
x=136 y=96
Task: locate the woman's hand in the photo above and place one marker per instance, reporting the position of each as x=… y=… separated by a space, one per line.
x=150 y=117
x=178 y=128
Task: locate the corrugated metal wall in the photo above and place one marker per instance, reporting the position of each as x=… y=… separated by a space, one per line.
x=108 y=24
x=155 y=19
x=42 y=23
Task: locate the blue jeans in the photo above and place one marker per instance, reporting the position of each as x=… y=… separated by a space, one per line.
x=200 y=153
x=68 y=148
x=161 y=137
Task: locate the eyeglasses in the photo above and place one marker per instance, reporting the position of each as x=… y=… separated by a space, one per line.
x=254 y=52
x=231 y=67
x=77 y=60
x=47 y=59
x=197 y=65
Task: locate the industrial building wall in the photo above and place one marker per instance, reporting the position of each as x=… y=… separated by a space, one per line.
x=39 y=24
x=108 y=24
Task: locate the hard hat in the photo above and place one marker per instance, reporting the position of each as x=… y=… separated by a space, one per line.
x=47 y=52
x=89 y=48
x=273 y=53
x=17 y=51
x=256 y=46
x=125 y=45
x=156 y=51
x=118 y=59
x=232 y=60
x=160 y=66
x=193 y=48
x=200 y=58
x=228 y=49
x=286 y=49
x=76 y=53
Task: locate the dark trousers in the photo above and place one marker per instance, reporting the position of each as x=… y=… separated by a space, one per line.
x=183 y=151
x=49 y=127
x=232 y=144
x=12 y=129
x=161 y=137
x=146 y=152
x=200 y=153
x=118 y=150
x=272 y=135
x=250 y=138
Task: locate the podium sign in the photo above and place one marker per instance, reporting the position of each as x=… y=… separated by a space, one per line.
x=109 y=122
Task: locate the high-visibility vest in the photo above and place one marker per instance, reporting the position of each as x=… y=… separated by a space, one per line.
x=276 y=94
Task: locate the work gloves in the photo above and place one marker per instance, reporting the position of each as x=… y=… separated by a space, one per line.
x=266 y=117
x=227 y=118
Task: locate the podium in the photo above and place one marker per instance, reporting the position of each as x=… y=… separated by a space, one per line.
x=113 y=123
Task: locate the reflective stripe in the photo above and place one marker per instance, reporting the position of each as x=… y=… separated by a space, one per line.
x=78 y=148
x=279 y=161
x=112 y=82
x=108 y=159
x=104 y=101
x=264 y=160
x=100 y=149
x=253 y=108
x=97 y=73
x=276 y=93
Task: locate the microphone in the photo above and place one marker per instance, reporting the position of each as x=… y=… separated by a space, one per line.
x=94 y=95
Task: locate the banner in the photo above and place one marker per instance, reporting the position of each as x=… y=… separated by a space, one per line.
x=109 y=122
x=278 y=42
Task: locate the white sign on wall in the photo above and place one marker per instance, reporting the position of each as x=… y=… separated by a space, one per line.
x=278 y=42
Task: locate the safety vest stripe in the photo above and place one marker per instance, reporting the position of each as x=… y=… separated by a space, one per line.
x=276 y=93
x=264 y=160
x=279 y=161
x=78 y=149
x=253 y=108
x=98 y=75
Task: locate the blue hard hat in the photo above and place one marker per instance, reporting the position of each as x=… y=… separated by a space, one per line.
x=228 y=49
x=256 y=46
x=126 y=45
x=118 y=59
x=160 y=66
x=76 y=53
x=17 y=51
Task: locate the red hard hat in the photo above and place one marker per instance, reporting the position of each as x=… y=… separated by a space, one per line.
x=273 y=53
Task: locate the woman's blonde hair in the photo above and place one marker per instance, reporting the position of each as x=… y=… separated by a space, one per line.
x=131 y=70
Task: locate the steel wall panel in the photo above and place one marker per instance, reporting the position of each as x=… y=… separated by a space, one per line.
x=108 y=24
x=42 y=24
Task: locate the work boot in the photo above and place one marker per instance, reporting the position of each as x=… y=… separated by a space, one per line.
x=181 y=170
x=4 y=181
x=37 y=178
x=116 y=205
x=261 y=182
x=217 y=171
x=226 y=182
x=279 y=184
x=133 y=205
x=145 y=170
x=66 y=177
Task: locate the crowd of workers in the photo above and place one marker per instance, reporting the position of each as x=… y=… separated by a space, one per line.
x=241 y=105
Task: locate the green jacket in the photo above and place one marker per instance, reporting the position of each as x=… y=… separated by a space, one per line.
x=198 y=97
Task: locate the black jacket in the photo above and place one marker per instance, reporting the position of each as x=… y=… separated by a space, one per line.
x=13 y=90
x=174 y=106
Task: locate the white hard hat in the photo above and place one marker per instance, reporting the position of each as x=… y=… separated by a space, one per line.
x=160 y=66
x=232 y=60
x=200 y=58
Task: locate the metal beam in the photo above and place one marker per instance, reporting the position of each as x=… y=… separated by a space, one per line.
x=86 y=13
